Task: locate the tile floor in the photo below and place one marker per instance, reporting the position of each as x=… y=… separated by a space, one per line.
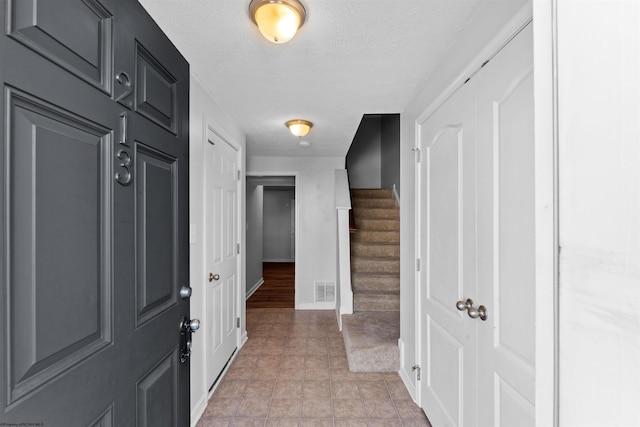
x=293 y=372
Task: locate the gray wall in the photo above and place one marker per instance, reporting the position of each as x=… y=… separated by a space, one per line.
x=373 y=160
x=277 y=244
x=254 y=235
x=363 y=159
x=390 y=151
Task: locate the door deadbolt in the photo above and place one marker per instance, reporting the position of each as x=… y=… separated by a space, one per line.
x=185 y=292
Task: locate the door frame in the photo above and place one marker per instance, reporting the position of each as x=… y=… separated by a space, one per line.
x=241 y=334
x=296 y=177
x=546 y=192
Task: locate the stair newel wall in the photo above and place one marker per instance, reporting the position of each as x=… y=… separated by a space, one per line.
x=344 y=294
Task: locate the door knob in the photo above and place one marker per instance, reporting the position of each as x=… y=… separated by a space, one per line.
x=213 y=277
x=480 y=312
x=189 y=326
x=473 y=312
x=185 y=292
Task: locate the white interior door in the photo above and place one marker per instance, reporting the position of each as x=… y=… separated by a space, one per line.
x=448 y=344
x=477 y=238
x=221 y=258
x=506 y=232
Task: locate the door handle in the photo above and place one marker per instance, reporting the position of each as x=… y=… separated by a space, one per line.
x=473 y=312
x=187 y=328
x=213 y=277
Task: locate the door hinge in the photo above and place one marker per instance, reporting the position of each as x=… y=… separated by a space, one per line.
x=238 y=248
x=238 y=174
x=417 y=369
x=237 y=322
x=418 y=264
x=418 y=154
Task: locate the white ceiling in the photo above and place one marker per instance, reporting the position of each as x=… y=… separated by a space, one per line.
x=351 y=57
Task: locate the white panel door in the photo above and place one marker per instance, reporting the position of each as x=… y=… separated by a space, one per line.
x=506 y=231
x=221 y=258
x=448 y=344
x=477 y=238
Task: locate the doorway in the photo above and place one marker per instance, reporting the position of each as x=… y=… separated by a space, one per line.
x=271 y=238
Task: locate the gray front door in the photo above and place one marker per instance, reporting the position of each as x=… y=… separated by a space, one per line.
x=94 y=215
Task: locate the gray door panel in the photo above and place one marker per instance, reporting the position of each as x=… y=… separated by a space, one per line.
x=91 y=265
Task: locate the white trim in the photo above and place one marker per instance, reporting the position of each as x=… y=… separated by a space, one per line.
x=296 y=176
x=396 y=195
x=406 y=376
x=254 y=288
x=278 y=260
x=513 y=27
x=199 y=409
x=546 y=190
x=316 y=306
x=224 y=372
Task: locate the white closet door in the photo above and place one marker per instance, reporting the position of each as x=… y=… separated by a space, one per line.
x=221 y=253
x=477 y=238
x=506 y=231
x=448 y=344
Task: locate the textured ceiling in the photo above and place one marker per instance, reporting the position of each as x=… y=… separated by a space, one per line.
x=351 y=57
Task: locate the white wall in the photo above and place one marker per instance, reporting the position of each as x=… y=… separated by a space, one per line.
x=486 y=23
x=205 y=111
x=254 y=208
x=316 y=240
x=599 y=180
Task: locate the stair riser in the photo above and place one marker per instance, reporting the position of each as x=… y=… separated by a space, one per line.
x=371 y=193
x=373 y=213
x=376 y=236
x=374 y=265
x=373 y=203
x=375 y=302
x=378 y=224
x=375 y=283
x=374 y=250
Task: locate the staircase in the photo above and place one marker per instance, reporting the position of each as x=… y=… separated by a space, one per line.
x=371 y=333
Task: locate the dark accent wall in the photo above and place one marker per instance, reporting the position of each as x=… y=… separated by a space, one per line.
x=373 y=160
x=363 y=158
x=390 y=151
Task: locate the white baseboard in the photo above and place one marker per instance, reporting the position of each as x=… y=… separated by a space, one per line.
x=411 y=387
x=408 y=376
x=255 y=287
x=316 y=306
x=198 y=410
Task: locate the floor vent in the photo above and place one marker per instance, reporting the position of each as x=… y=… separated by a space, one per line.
x=325 y=291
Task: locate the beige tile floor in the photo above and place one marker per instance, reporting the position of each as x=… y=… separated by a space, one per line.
x=293 y=372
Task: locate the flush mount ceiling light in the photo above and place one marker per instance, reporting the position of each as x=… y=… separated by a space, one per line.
x=299 y=127
x=277 y=20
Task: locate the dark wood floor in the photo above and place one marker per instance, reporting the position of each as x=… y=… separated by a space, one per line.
x=278 y=289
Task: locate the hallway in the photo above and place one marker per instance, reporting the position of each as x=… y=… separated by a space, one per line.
x=293 y=372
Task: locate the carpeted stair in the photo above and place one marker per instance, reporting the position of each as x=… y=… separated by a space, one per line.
x=371 y=333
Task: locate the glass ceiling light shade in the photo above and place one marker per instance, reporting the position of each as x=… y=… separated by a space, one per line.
x=299 y=127
x=277 y=20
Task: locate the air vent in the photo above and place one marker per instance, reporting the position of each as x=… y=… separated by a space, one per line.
x=325 y=291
